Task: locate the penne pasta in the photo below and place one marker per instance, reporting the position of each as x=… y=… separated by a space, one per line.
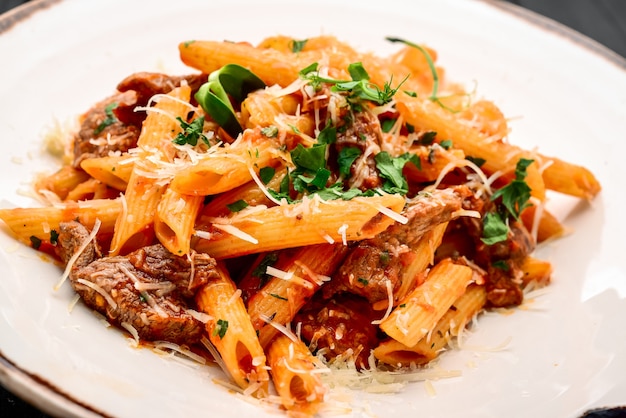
x=295 y=375
x=175 y=219
x=450 y=325
x=229 y=329
x=307 y=223
x=419 y=311
x=25 y=223
x=143 y=193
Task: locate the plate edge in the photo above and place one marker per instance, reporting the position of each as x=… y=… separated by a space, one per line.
x=559 y=29
x=22 y=12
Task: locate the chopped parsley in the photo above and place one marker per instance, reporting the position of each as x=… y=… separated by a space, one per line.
x=274 y=295
x=35 y=242
x=270 y=131
x=494 y=228
x=516 y=194
x=346 y=157
x=476 y=160
x=390 y=169
x=297 y=46
x=191 y=132
x=363 y=281
x=266 y=174
x=237 y=206
x=109 y=120
x=260 y=271
x=54 y=237
x=220 y=329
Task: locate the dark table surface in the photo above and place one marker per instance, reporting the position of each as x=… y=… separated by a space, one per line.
x=601 y=20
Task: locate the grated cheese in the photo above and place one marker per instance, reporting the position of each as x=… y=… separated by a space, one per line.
x=236 y=232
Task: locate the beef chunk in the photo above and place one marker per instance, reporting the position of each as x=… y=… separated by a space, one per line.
x=338 y=325
x=374 y=262
x=146 y=289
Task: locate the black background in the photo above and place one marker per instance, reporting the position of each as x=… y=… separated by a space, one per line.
x=602 y=20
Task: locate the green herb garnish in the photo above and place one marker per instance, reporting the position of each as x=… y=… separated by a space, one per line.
x=109 y=120
x=191 y=132
x=220 y=329
x=230 y=81
x=237 y=206
x=516 y=194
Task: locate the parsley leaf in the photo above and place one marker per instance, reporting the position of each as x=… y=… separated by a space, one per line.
x=220 y=328
x=109 y=120
x=390 y=169
x=476 y=160
x=297 y=46
x=191 y=132
x=516 y=194
x=494 y=229
x=346 y=157
x=266 y=174
x=237 y=206
x=309 y=159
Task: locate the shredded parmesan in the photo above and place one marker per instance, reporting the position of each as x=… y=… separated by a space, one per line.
x=236 y=232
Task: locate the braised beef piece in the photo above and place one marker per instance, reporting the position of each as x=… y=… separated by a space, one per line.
x=374 y=262
x=101 y=132
x=501 y=260
x=339 y=324
x=144 y=85
x=146 y=289
x=113 y=124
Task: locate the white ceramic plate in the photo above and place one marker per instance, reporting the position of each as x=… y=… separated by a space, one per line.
x=566 y=354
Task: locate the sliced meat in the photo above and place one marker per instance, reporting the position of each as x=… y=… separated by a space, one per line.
x=113 y=124
x=372 y=263
x=101 y=132
x=502 y=261
x=145 y=289
x=341 y=326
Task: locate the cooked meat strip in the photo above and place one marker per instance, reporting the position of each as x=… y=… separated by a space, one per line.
x=113 y=124
x=501 y=260
x=340 y=324
x=144 y=289
x=374 y=262
x=101 y=132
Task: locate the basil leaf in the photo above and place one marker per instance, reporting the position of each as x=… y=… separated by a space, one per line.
x=230 y=81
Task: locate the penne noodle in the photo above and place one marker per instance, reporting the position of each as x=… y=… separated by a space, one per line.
x=450 y=325
x=112 y=171
x=282 y=297
x=419 y=311
x=174 y=220
x=295 y=375
x=62 y=182
x=25 y=223
x=229 y=167
x=307 y=223
x=143 y=193
x=229 y=329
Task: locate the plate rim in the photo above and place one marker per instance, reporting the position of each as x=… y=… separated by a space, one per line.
x=50 y=399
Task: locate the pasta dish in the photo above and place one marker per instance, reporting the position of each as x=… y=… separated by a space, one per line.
x=296 y=204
